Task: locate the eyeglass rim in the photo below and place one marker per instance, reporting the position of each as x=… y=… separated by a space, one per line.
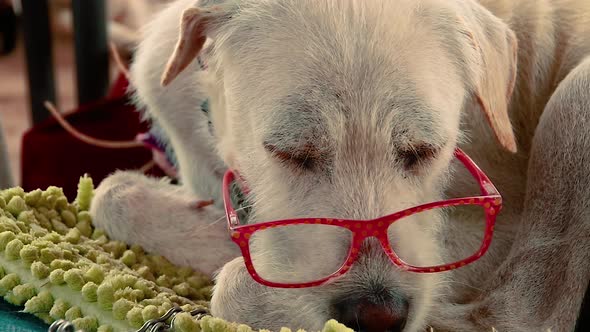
x=240 y=234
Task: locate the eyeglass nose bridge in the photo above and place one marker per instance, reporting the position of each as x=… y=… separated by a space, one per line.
x=375 y=230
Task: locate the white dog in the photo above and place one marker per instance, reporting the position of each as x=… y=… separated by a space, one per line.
x=352 y=109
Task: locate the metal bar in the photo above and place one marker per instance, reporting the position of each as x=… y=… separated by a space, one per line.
x=6 y=180
x=39 y=56
x=92 y=55
x=7 y=28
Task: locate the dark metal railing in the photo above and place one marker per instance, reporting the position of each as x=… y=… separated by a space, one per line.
x=91 y=53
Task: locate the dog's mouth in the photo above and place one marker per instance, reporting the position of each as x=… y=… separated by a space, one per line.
x=364 y=315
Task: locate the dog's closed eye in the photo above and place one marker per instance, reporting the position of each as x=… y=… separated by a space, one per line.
x=414 y=156
x=305 y=158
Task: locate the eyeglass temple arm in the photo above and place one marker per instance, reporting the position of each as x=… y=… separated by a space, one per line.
x=232 y=216
x=485 y=184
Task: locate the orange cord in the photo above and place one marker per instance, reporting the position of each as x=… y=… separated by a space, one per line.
x=106 y=143
x=87 y=139
x=149 y=165
x=119 y=62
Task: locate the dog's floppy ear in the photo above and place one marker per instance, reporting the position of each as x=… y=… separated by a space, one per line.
x=496 y=51
x=195 y=25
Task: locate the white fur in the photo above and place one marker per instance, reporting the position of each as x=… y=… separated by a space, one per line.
x=361 y=80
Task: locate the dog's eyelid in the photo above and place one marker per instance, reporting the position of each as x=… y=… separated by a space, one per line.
x=305 y=157
x=416 y=154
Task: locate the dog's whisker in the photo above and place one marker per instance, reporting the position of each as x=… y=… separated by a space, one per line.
x=216 y=221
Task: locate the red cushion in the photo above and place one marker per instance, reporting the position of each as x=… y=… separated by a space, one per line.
x=53 y=157
x=119 y=87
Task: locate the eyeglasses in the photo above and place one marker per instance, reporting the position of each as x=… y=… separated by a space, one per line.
x=280 y=253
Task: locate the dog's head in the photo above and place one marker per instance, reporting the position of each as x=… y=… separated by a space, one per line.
x=346 y=109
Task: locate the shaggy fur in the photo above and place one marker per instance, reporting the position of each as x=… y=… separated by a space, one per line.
x=349 y=91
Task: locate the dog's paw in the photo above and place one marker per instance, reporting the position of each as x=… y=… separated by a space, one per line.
x=238 y=298
x=128 y=202
x=114 y=202
x=164 y=219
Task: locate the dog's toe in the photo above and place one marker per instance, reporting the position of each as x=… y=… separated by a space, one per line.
x=115 y=199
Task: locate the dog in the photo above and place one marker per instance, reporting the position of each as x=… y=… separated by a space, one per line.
x=354 y=110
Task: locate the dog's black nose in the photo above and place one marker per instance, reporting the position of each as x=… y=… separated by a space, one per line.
x=366 y=316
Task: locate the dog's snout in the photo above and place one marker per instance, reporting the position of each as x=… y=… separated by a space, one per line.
x=367 y=316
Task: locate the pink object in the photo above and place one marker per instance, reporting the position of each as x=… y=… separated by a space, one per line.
x=158 y=154
x=490 y=200
x=161 y=160
x=202 y=204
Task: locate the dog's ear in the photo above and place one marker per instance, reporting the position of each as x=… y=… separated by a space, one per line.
x=196 y=23
x=495 y=46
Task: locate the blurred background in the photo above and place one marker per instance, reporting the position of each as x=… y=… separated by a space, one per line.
x=65 y=52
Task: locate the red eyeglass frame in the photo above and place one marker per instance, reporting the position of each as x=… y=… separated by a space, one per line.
x=490 y=200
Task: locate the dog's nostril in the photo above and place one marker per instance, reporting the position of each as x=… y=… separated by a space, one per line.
x=365 y=316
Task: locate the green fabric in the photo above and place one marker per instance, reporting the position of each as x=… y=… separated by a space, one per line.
x=129 y=272
x=12 y=320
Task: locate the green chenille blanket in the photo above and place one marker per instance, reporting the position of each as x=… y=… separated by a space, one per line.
x=55 y=265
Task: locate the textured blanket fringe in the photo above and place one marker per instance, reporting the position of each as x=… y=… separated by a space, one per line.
x=57 y=266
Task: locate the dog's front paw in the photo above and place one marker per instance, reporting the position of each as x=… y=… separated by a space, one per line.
x=164 y=219
x=238 y=298
x=233 y=285
x=114 y=204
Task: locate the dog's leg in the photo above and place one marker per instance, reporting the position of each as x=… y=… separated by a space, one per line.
x=540 y=287
x=177 y=108
x=164 y=219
